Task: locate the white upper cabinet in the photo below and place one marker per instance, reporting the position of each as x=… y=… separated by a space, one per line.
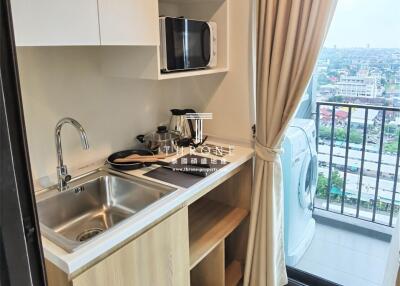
x=85 y=22
x=129 y=22
x=55 y=22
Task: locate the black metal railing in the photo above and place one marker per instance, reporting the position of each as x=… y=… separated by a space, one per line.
x=346 y=145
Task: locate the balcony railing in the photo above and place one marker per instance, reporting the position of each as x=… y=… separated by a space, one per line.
x=358 y=151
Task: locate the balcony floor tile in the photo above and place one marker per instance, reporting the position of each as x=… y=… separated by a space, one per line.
x=345 y=257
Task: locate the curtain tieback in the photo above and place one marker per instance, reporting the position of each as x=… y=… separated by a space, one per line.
x=266 y=153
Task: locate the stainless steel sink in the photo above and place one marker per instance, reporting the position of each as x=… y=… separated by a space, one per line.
x=93 y=204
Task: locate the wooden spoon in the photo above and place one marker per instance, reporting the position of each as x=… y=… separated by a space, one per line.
x=137 y=156
x=137 y=160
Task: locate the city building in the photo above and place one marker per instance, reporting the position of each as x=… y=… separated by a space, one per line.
x=358 y=86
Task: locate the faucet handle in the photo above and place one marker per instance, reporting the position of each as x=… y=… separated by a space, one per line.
x=63 y=176
x=67 y=178
x=62 y=170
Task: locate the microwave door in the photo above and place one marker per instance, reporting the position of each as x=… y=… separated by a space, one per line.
x=198 y=45
x=174 y=31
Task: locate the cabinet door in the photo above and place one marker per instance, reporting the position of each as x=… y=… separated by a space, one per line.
x=55 y=22
x=129 y=22
x=158 y=257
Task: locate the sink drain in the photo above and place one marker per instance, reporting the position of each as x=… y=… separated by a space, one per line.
x=88 y=234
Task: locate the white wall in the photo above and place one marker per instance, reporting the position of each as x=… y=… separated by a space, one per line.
x=232 y=103
x=67 y=81
x=59 y=82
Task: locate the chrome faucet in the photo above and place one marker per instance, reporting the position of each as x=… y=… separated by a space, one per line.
x=62 y=171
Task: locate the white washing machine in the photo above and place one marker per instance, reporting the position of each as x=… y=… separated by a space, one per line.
x=300 y=167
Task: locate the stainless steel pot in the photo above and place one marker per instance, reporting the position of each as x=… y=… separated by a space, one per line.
x=161 y=141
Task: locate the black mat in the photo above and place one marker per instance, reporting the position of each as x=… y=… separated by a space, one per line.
x=182 y=179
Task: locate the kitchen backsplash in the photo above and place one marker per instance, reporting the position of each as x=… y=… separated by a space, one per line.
x=60 y=82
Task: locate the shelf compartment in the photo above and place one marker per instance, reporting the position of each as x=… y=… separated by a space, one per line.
x=233 y=273
x=210 y=222
x=211 y=270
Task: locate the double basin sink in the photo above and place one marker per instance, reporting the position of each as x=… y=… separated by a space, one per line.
x=93 y=204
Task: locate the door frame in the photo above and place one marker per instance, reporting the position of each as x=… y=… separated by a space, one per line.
x=299 y=277
x=21 y=254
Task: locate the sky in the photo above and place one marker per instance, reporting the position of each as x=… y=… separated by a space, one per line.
x=358 y=23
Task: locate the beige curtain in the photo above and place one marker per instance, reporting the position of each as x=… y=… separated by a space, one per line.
x=290 y=34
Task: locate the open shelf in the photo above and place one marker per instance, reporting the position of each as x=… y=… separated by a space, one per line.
x=211 y=10
x=210 y=222
x=211 y=270
x=144 y=61
x=233 y=273
x=163 y=76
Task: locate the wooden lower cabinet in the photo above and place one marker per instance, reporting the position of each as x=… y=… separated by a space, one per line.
x=159 y=257
x=203 y=244
x=218 y=232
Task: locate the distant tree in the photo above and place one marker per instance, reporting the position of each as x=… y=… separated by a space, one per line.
x=390 y=129
x=323 y=79
x=322 y=186
x=391 y=147
x=340 y=134
x=325 y=132
x=339 y=98
x=355 y=137
x=336 y=99
x=353 y=72
x=333 y=73
x=337 y=181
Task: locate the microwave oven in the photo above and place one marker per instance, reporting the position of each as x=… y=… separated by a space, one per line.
x=187 y=44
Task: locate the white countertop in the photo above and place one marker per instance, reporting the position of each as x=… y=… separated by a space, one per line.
x=94 y=250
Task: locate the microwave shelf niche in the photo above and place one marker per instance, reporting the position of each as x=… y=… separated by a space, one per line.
x=145 y=62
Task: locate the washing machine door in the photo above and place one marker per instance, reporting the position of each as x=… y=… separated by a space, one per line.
x=308 y=181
